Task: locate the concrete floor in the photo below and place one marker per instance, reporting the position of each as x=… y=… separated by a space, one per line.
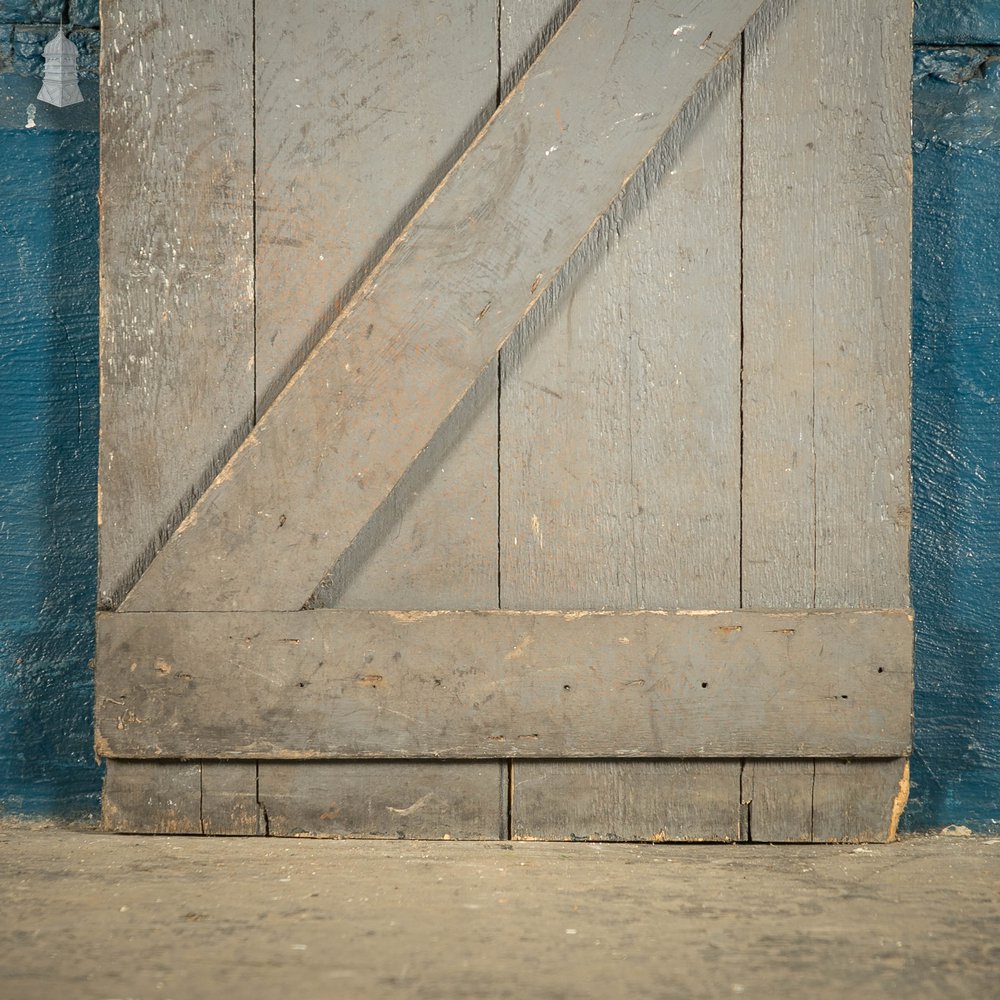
x=86 y=915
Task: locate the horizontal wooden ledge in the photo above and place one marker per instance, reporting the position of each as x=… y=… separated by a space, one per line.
x=488 y=684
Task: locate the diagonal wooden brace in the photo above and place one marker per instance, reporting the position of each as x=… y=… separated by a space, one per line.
x=440 y=305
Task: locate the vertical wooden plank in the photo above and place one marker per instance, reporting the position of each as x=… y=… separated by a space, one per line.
x=619 y=434
x=637 y=800
x=859 y=800
x=229 y=804
x=778 y=801
x=826 y=504
x=826 y=309
x=177 y=285
x=383 y=99
x=177 y=270
x=412 y=800
x=152 y=797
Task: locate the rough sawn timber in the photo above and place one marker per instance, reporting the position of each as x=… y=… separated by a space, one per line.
x=477 y=684
x=826 y=299
x=435 y=312
x=399 y=800
x=177 y=270
x=620 y=445
x=177 y=289
x=395 y=92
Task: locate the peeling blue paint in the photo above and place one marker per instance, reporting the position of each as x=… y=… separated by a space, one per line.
x=956 y=22
x=29 y=40
x=955 y=555
x=31 y=11
x=48 y=461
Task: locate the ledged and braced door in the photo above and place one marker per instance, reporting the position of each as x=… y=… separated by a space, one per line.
x=542 y=476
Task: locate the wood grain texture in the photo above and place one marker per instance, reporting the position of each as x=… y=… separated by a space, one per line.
x=229 y=805
x=858 y=800
x=152 y=797
x=823 y=801
x=826 y=498
x=607 y=800
x=620 y=411
x=503 y=684
x=412 y=800
x=525 y=28
x=177 y=270
x=384 y=98
x=361 y=109
x=777 y=800
x=433 y=544
x=620 y=442
x=425 y=326
x=826 y=405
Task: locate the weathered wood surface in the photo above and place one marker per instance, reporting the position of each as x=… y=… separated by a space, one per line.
x=434 y=543
x=525 y=27
x=654 y=800
x=859 y=800
x=152 y=797
x=620 y=438
x=177 y=269
x=411 y=800
x=826 y=496
x=229 y=805
x=777 y=798
x=433 y=315
x=826 y=499
x=360 y=111
x=393 y=93
x=836 y=801
x=503 y=684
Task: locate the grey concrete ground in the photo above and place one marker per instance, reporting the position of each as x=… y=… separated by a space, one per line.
x=85 y=915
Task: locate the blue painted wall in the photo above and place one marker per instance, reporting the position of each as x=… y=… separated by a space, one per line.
x=955 y=556
x=48 y=434
x=48 y=427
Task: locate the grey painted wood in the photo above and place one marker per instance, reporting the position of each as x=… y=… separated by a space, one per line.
x=639 y=800
x=361 y=109
x=826 y=503
x=412 y=800
x=431 y=318
x=177 y=353
x=620 y=411
x=826 y=283
x=777 y=799
x=340 y=683
x=229 y=805
x=151 y=797
x=525 y=28
x=434 y=543
x=835 y=801
x=859 y=800
x=384 y=98
x=620 y=442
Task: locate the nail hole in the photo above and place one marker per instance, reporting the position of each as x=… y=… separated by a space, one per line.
x=704 y=684
x=881 y=670
x=565 y=687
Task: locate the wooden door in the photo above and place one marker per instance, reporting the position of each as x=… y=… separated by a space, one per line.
x=537 y=470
